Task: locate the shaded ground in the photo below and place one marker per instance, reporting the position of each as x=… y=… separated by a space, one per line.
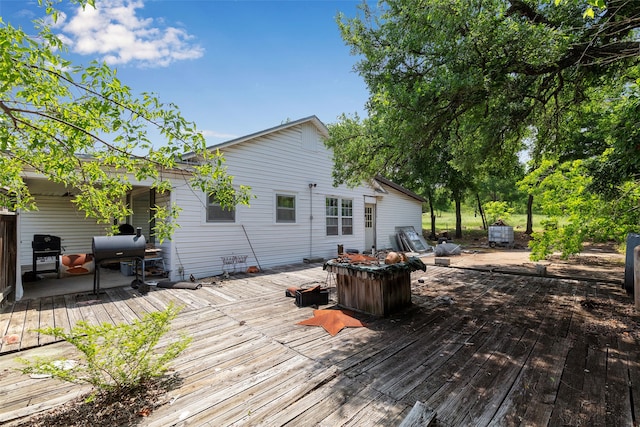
x=596 y=262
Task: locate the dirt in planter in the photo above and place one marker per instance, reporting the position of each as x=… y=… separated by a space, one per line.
x=123 y=408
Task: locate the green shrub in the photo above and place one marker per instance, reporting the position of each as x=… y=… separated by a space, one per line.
x=116 y=357
x=566 y=239
x=497 y=211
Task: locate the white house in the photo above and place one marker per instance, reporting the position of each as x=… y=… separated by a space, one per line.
x=296 y=214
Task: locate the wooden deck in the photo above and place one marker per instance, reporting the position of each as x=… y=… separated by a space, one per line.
x=477 y=348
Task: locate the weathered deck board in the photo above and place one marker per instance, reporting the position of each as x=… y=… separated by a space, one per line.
x=280 y=403
x=21 y=395
x=344 y=400
x=54 y=397
x=476 y=366
x=543 y=365
x=631 y=351
x=227 y=379
x=280 y=388
x=84 y=303
x=17 y=314
x=571 y=407
x=216 y=296
x=46 y=318
x=100 y=309
x=73 y=310
x=486 y=394
x=191 y=300
x=405 y=364
x=124 y=304
x=164 y=297
x=380 y=412
x=477 y=348
x=60 y=313
x=237 y=400
x=115 y=316
x=31 y=323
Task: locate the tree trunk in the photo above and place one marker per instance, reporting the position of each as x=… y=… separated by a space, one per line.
x=458 y=218
x=481 y=211
x=529 y=229
x=432 y=212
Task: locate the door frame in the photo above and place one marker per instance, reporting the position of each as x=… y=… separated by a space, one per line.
x=370 y=237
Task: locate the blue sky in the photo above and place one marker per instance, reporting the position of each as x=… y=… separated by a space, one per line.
x=233 y=67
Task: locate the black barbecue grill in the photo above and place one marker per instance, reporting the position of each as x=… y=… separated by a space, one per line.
x=118 y=248
x=46 y=246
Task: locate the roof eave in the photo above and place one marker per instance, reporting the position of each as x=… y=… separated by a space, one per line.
x=313 y=119
x=385 y=181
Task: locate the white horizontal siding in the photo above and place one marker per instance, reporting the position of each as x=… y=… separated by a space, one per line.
x=57 y=216
x=396 y=209
x=140 y=204
x=281 y=162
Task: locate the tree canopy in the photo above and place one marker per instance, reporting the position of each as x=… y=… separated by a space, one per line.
x=482 y=77
x=82 y=127
x=588 y=184
x=481 y=72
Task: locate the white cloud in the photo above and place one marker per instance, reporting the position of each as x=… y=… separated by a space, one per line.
x=218 y=135
x=25 y=13
x=115 y=32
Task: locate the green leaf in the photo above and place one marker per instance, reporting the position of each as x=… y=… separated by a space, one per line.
x=78 y=125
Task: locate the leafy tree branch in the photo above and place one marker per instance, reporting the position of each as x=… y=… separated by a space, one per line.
x=82 y=127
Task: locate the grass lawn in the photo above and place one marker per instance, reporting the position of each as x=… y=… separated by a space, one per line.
x=446 y=221
x=474 y=234
x=472 y=224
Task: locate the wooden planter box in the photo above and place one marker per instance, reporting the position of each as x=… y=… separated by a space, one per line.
x=378 y=291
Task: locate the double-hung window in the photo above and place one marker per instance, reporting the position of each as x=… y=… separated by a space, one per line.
x=347 y=216
x=216 y=213
x=285 y=208
x=332 y=216
x=339 y=216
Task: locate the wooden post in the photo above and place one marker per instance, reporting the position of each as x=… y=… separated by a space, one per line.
x=636 y=277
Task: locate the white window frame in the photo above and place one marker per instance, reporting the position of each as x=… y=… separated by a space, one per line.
x=346 y=217
x=368 y=216
x=287 y=209
x=332 y=216
x=222 y=220
x=338 y=216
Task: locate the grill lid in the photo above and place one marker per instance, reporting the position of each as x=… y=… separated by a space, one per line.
x=45 y=243
x=118 y=247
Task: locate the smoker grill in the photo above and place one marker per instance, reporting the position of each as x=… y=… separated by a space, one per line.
x=118 y=248
x=46 y=246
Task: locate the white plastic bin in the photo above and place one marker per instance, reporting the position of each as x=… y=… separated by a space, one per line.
x=126 y=268
x=500 y=235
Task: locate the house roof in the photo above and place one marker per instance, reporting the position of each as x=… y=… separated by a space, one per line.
x=323 y=131
x=399 y=188
x=311 y=119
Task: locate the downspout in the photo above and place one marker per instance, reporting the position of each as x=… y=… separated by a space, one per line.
x=152 y=220
x=311 y=187
x=19 y=290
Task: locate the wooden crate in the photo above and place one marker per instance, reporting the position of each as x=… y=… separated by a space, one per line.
x=379 y=293
x=305 y=299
